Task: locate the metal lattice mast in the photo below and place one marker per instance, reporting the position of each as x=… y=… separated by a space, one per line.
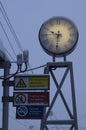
x=72 y=121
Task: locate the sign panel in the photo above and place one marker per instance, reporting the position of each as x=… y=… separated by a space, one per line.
x=20 y=98
x=25 y=82
x=38 y=98
x=21 y=83
x=31 y=98
x=29 y=112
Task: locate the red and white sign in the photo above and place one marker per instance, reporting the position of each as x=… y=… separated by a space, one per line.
x=31 y=98
x=20 y=98
x=38 y=98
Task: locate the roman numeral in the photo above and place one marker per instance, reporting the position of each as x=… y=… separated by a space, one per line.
x=58 y=21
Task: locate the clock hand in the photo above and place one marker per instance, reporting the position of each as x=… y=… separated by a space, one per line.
x=50 y=30
x=56 y=46
x=59 y=35
x=46 y=34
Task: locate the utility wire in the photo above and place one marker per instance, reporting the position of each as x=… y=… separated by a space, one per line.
x=37 y=67
x=30 y=68
x=12 y=75
x=7 y=38
x=10 y=26
x=9 y=55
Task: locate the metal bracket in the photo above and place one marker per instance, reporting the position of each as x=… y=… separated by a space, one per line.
x=7 y=99
x=7 y=83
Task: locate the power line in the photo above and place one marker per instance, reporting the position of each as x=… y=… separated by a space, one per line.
x=12 y=75
x=7 y=38
x=30 y=67
x=37 y=67
x=9 y=54
x=10 y=26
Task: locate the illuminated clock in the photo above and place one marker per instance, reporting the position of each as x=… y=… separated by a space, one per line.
x=58 y=36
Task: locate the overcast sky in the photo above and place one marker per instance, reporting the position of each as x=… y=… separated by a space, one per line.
x=26 y=18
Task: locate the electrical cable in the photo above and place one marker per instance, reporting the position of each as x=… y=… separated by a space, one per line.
x=24 y=69
x=7 y=38
x=30 y=68
x=9 y=55
x=10 y=26
x=12 y=75
x=37 y=67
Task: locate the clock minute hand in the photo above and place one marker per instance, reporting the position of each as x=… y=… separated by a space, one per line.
x=59 y=35
x=50 y=31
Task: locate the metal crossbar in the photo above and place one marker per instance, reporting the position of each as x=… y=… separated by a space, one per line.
x=73 y=115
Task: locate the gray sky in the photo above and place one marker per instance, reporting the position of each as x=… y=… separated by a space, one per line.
x=26 y=18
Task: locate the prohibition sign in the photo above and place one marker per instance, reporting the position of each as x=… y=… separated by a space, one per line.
x=22 y=111
x=20 y=99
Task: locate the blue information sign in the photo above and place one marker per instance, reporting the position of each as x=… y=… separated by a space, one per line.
x=29 y=112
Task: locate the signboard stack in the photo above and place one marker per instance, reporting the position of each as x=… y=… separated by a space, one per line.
x=31 y=103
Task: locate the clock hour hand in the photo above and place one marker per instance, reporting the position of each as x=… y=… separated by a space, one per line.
x=50 y=30
x=44 y=34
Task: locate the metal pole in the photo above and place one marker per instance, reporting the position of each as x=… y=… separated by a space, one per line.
x=53 y=58
x=5 y=114
x=73 y=97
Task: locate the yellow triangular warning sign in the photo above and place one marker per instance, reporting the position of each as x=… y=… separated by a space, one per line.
x=21 y=84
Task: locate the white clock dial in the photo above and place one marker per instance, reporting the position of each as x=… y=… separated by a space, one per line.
x=58 y=36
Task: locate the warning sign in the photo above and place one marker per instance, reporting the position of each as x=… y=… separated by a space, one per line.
x=38 y=98
x=38 y=82
x=31 y=98
x=22 y=111
x=29 y=112
x=20 y=98
x=31 y=82
x=21 y=84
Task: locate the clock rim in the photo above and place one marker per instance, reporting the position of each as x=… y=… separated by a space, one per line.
x=65 y=53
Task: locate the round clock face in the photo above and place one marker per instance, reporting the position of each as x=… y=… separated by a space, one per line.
x=58 y=36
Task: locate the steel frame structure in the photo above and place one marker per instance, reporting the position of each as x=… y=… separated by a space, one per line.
x=72 y=122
